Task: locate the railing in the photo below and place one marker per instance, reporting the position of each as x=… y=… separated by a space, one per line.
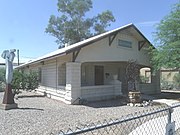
x=159 y=121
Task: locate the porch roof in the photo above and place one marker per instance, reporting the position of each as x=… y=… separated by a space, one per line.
x=77 y=46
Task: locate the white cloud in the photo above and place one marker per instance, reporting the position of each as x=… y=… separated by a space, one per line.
x=147 y=23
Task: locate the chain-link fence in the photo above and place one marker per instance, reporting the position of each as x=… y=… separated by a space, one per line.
x=159 y=121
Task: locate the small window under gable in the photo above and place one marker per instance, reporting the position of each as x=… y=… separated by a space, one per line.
x=124 y=43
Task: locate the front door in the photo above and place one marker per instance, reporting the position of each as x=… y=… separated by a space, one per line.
x=99 y=75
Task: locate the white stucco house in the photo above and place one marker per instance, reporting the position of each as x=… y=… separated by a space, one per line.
x=94 y=69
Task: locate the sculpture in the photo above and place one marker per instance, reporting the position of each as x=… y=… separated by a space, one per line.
x=8 y=99
x=9 y=57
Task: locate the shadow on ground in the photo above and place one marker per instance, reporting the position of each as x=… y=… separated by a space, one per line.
x=27 y=108
x=29 y=96
x=175 y=95
x=122 y=101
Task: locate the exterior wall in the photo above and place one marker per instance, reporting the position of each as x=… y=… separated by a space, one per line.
x=53 y=93
x=33 y=68
x=49 y=74
x=49 y=77
x=147 y=88
x=102 y=92
x=101 y=51
x=153 y=87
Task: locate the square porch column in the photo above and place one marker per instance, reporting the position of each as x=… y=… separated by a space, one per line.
x=155 y=79
x=73 y=83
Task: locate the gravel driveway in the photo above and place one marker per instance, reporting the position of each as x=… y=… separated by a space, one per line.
x=42 y=116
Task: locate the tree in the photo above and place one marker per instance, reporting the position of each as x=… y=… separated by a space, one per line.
x=73 y=26
x=167 y=38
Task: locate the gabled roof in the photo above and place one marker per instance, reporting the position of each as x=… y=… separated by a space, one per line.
x=77 y=46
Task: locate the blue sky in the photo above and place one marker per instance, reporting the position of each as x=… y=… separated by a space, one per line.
x=23 y=22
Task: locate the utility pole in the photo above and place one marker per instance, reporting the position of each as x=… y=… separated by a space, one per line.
x=18 y=56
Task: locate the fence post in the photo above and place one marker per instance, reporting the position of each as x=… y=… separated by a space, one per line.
x=170 y=127
x=169 y=115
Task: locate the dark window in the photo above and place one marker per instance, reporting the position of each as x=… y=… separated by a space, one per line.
x=62 y=75
x=125 y=43
x=99 y=75
x=39 y=74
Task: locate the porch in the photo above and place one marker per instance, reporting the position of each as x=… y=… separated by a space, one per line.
x=91 y=81
x=94 y=81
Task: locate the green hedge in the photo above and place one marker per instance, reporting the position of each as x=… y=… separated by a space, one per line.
x=21 y=81
x=24 y=81
x=2 y=79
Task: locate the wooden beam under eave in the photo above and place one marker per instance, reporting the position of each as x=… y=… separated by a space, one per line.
x=111 y=38
x=141 y=44
x=75 y=54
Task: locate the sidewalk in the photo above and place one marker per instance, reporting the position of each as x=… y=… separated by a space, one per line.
x=169 y=102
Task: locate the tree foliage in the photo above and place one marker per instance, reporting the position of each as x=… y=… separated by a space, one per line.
x=167 y=54
x=73 y=26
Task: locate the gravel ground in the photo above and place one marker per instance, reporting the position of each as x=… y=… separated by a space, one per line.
x=42 y=116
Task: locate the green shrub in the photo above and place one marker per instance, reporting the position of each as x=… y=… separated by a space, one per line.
x=2 y=74
x=176 y=80
x=2 y=79
x=21 y=81
x=2 y=86
x=24 y=81
x=165 y=85
x=32 y=81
